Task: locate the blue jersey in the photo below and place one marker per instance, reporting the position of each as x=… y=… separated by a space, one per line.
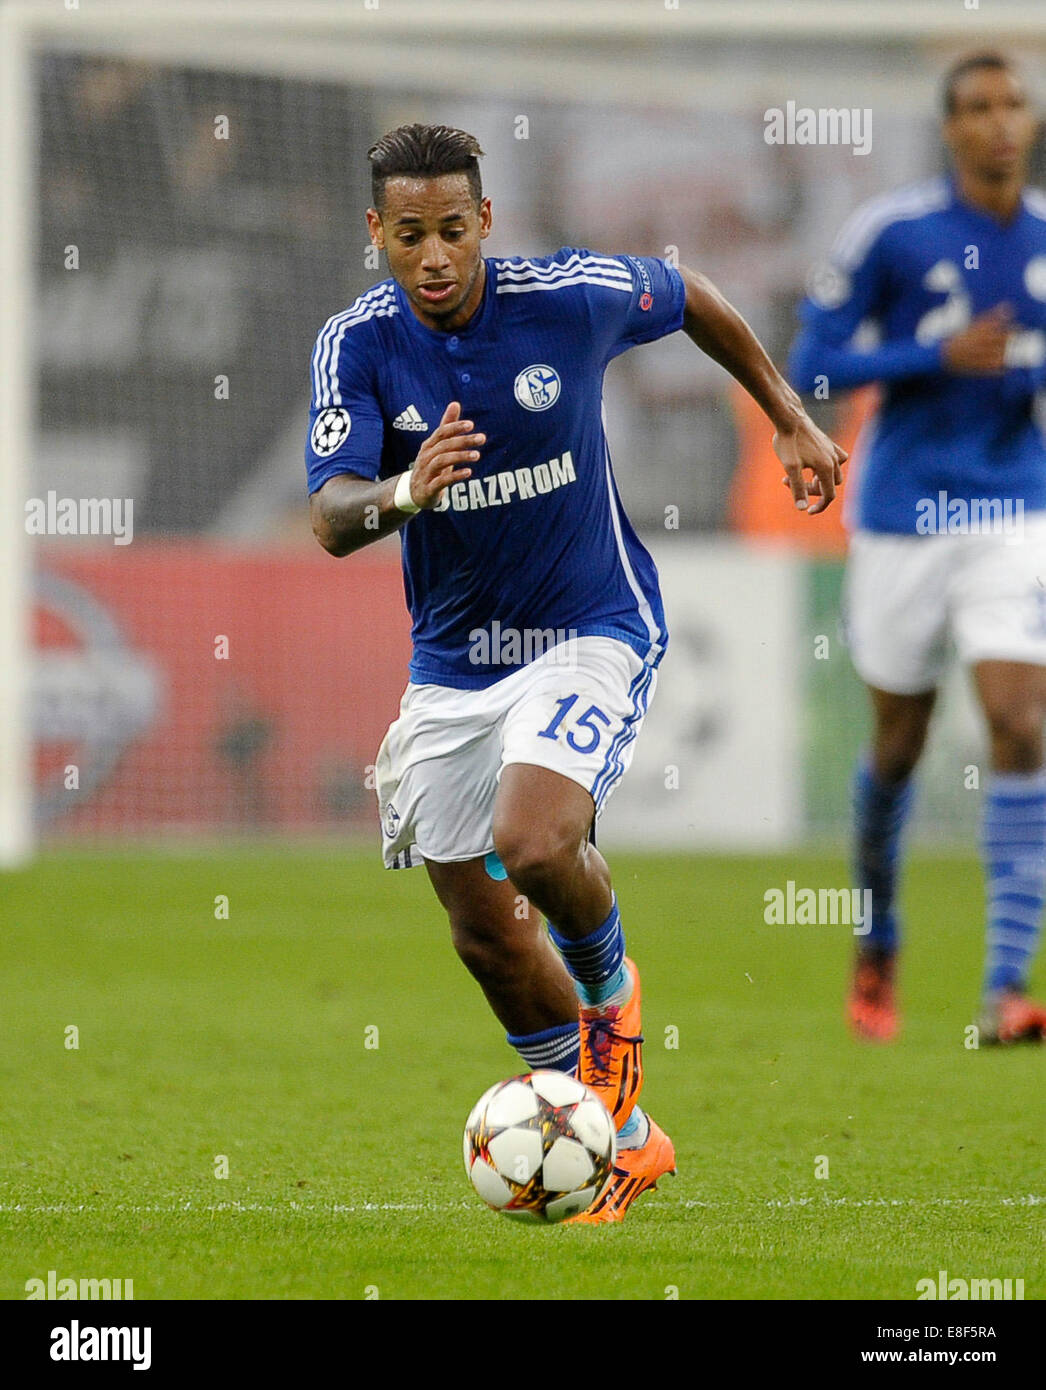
x=915 y=267
x=535 y=542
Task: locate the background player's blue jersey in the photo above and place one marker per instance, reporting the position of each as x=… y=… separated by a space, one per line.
x=917 y=265
x=536 y=540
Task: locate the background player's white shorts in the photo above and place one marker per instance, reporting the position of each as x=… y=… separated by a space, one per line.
x=905 y=596
x=577 y=710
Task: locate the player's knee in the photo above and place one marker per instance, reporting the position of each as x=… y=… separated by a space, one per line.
x=533 y=854
x=897 y=761
x=898 y=747
x=1016 y=731
x=491 y=956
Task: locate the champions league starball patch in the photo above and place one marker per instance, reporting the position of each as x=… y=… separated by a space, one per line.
x=330 y=430
x=828 y=285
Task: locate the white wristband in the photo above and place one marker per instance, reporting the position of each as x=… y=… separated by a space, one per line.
x=402 y=497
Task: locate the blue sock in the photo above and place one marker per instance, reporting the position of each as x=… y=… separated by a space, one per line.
x=596 y=962
x=556 y=1048
x=1014 y=848
x=880 y=811
x=634 y=1133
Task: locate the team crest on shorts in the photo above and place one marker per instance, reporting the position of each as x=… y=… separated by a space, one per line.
x=391 y=822
x=537 y=387
x=330 y=430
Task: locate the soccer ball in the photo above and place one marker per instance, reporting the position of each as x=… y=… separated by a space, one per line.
x=539 y=1147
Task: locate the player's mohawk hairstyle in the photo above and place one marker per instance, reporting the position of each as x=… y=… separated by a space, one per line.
x=424 y=151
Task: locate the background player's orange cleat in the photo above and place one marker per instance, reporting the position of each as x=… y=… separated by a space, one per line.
x=1010 y=1017
x=635 y=1171
x=872 y=1007
x=611 y=1052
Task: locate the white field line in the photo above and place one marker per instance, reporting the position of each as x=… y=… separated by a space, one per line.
x=469 y=1203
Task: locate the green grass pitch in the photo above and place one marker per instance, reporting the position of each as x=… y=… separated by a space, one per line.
x=201 y=1037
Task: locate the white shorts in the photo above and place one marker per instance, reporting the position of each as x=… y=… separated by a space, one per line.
x=576 y=710
x=906 y=596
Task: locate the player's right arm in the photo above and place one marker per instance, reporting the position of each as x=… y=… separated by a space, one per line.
x=350 y=511
x=852 y=287
x=350 y=504
x=847 y=290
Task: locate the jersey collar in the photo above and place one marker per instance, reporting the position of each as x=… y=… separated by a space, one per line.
x=476 y=322
x=960 y=202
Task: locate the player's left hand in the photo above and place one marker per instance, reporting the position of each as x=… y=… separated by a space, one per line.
x=805 y=448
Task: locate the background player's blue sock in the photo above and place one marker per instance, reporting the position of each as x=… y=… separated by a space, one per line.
x=880 y=811
x=556 y=1048
x=1013 y=839
x=596 y=962
x=634 y=1133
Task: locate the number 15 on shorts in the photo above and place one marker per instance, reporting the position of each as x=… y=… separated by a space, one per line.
x=589 y=740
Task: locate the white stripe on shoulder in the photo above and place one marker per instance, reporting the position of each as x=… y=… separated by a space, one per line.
x=1035 y=202
x=526 y=286
x=366 y=306
x=512 y=274
x=524 y=272
x=575 y=258
x=377 y=294
x=520 y=269
x=378 y=302
x=861 y=229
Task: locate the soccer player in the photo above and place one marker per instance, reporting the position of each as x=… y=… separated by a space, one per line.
x=459 y=403
x=950 y=514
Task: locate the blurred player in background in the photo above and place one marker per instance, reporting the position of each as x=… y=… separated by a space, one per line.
x=949 y=512
x=459 y=402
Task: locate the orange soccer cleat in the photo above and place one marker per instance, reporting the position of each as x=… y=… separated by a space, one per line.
x=635 y=1171
x=611 y=1052
x=1009 y=1017
x=872 y=1008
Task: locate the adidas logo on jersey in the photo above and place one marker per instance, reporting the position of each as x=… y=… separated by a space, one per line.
x=409 y=419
